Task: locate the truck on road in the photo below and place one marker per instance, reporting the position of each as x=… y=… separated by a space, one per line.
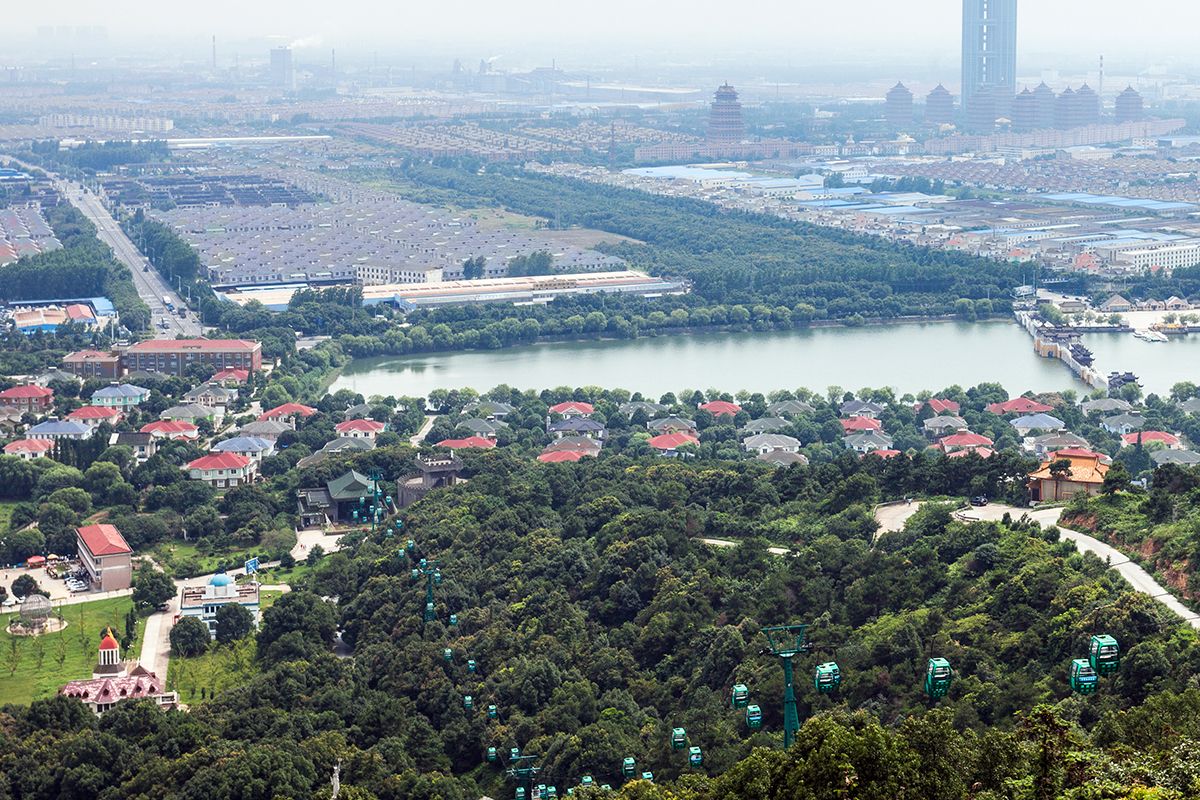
x=166 y=300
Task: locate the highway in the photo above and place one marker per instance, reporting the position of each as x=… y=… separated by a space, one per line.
x=150 y=285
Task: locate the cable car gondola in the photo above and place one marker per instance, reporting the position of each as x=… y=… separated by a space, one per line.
x=937 y=677
x=741 y=695
x=628 y=767
x=1104 y=655
x=678 y=738
x=1083 y=676
x=695 y=757
x=753 y=716
x=828 y=677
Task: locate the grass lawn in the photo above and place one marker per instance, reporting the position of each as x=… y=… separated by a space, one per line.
x=6 y=510
x=22 y=680
x=267 y=598
x=183 y=559
x=222 y=667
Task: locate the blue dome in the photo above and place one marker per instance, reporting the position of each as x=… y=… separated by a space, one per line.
x=220 y=580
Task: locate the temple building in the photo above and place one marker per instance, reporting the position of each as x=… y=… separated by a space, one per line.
x=725 y=123
x=114 y=680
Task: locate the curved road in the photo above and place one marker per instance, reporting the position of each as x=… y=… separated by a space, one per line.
x=892 y=518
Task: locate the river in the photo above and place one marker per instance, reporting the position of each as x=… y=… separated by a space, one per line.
x=908 y=358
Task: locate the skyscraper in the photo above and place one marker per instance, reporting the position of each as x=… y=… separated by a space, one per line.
x=281 y=67
x=989 y=46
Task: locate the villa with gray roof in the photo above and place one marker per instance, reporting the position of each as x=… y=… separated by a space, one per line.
x=123 y=396
x=765 y=425
x=255 y=448
x=770 y=442
x=792 y=407
x=60 y=429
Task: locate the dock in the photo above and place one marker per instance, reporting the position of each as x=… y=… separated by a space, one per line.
x=1063 y=343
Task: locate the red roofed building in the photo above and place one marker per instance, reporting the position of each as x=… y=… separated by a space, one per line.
x=964 y=441
x=572 y=409
x=94 y=415
x=223 y=470
x=1020 y=405
x=558 y=456
x=359 y=429
x=719 y=407
x=1079 y=452
x=231 y=376
x=1172 y=442
x=860 y=424
x=939 y=406
x=166 y=429
x=1085 y=475
x=881 y=453
x=28 y=398
x=29 y=449
x=286 y=412
x=669 y=443
x=81 y=314
x=106 y=556
x=982 y=452
x=470 y=441
x=111 y=683
x=174 y=356
x=93 y=364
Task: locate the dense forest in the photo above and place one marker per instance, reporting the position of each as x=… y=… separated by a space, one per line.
x=597 y=621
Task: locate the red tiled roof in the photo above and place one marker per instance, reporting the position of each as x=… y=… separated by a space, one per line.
x=882 y=453
x=94 y=412
x=1021 y=405
x=103 y=540
x=669 y=441
x=168 y=427
x=27 y=391
x=966 y=439
x=582 y=408
x=861 y=424
x=941 y=405
x=108 y=642
x=80 y=311
x=239 y=375
x=87 y=355
x=286 y=410
x=168 y=345
x=359 y=425
x=556 y=456
x=982 y=452
x=719 y=407
x=1151 y=436
x=29 y=446
x=220 y=461
x=470 y=441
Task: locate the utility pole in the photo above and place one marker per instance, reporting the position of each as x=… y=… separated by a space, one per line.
x=522 y=775
x=432 y=575
x=790 y=643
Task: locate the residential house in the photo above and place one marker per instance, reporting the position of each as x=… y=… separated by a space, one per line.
x=1019 y=405
x=867 y=441
x=672 y=424
x=578 y=426
x=781 y=458
x=486 y=428
x=857 y=408
x=1037 y=422
x=223 y=470
x=1105 y=405
x=94 y=415
x=106 y=556
x=948 y=407
x=122 y=396
x=174 y=356
x=211 y=395
x=192 y=412
x=143 y=445
x=1184 y=458
x=860 y=424
x=1085 y=475
x=668 y=444
x=29 y=449
x=764 y=425
x=360 y=429
x=559 y=456
x=253 y=447
x=1116 y=305
x=10 y=418
x=572 y=409
x=1047 y=443
x=1174 y=303
x=1190 y=406
x=231 y=377
x=203 y=602
x=164 y=429
x=93 y=364
x=35 y=399
x=267 y=428
x=1122 y=424
x=1167 y=439
x=650 y=409
x=937 y=427
x=493 y=408
x=719 y=408
x=60 y=429
x=468 y=443
x=286 y=412
x=963 y=441
x=789 y=407
x=583 y=444
x=771 y=442
x=335 y=447
x=365 y=410
x=53 y=378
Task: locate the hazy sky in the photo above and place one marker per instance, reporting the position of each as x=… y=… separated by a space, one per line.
x=1052 y=33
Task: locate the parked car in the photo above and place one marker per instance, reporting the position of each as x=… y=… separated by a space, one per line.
x=980 y=500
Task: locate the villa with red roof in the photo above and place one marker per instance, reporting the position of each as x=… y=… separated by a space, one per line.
x=572 y=409
x=94 y=415
x=223 y=470
x=231 y=376
x=1171 y=441
x=669 y=443
x=469 y=442
x=29 y=449
x=286 y=412
x=939 y=406
x=1020 y=405
x=1085 y=476
x=360 y=429
x=964 y=441
x=559 y=456
x=860 y=424
x=106 y=556
x=166 y=429
x=112 y=682
x=28 y=398
x=884 y=454
x=719 y=407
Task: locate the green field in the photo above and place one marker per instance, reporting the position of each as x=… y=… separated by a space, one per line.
x=6 y=510
x=22 y=680
x=222 y=667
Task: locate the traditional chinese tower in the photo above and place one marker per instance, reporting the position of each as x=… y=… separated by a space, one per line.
x=725 y=123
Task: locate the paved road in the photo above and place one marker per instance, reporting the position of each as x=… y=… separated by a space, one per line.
x=893 y=517
x=1138 y=578
x=416 y=439
x=779 y=551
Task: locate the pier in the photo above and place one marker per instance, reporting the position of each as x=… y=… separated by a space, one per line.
x=1051 y=341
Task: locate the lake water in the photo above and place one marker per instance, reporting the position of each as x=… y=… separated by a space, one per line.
x=908 y=357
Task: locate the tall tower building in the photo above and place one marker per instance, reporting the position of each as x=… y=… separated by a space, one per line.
x=281 y=67
x=1129 y=106
x=1046 y=101
x=899 y=109
x=1024 y=111
x=939 y=107
x=989 y=46
x=725 y=124
x=1087 y=103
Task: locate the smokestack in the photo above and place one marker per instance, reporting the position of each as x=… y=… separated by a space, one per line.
x=333 y=65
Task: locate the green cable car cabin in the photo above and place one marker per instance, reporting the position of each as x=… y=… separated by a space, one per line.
x=678 y=738
x=741 y=695
x=628 y=767
x=520 y=793
x=937 y=677
x=1104 y=655
x=447 y=654
x=828 y=677
x=468 y=702
x=587 y=781
x=552 y=792
x=1083 y=677
x=492 y=712
x=514 y=754
x=453 y=620
x=753 y=716
x=416 y=574
x=695 y=757
x=648 y=776
x=470 y=665
x=491 y=755
x=430 y=614
x=410 y=545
